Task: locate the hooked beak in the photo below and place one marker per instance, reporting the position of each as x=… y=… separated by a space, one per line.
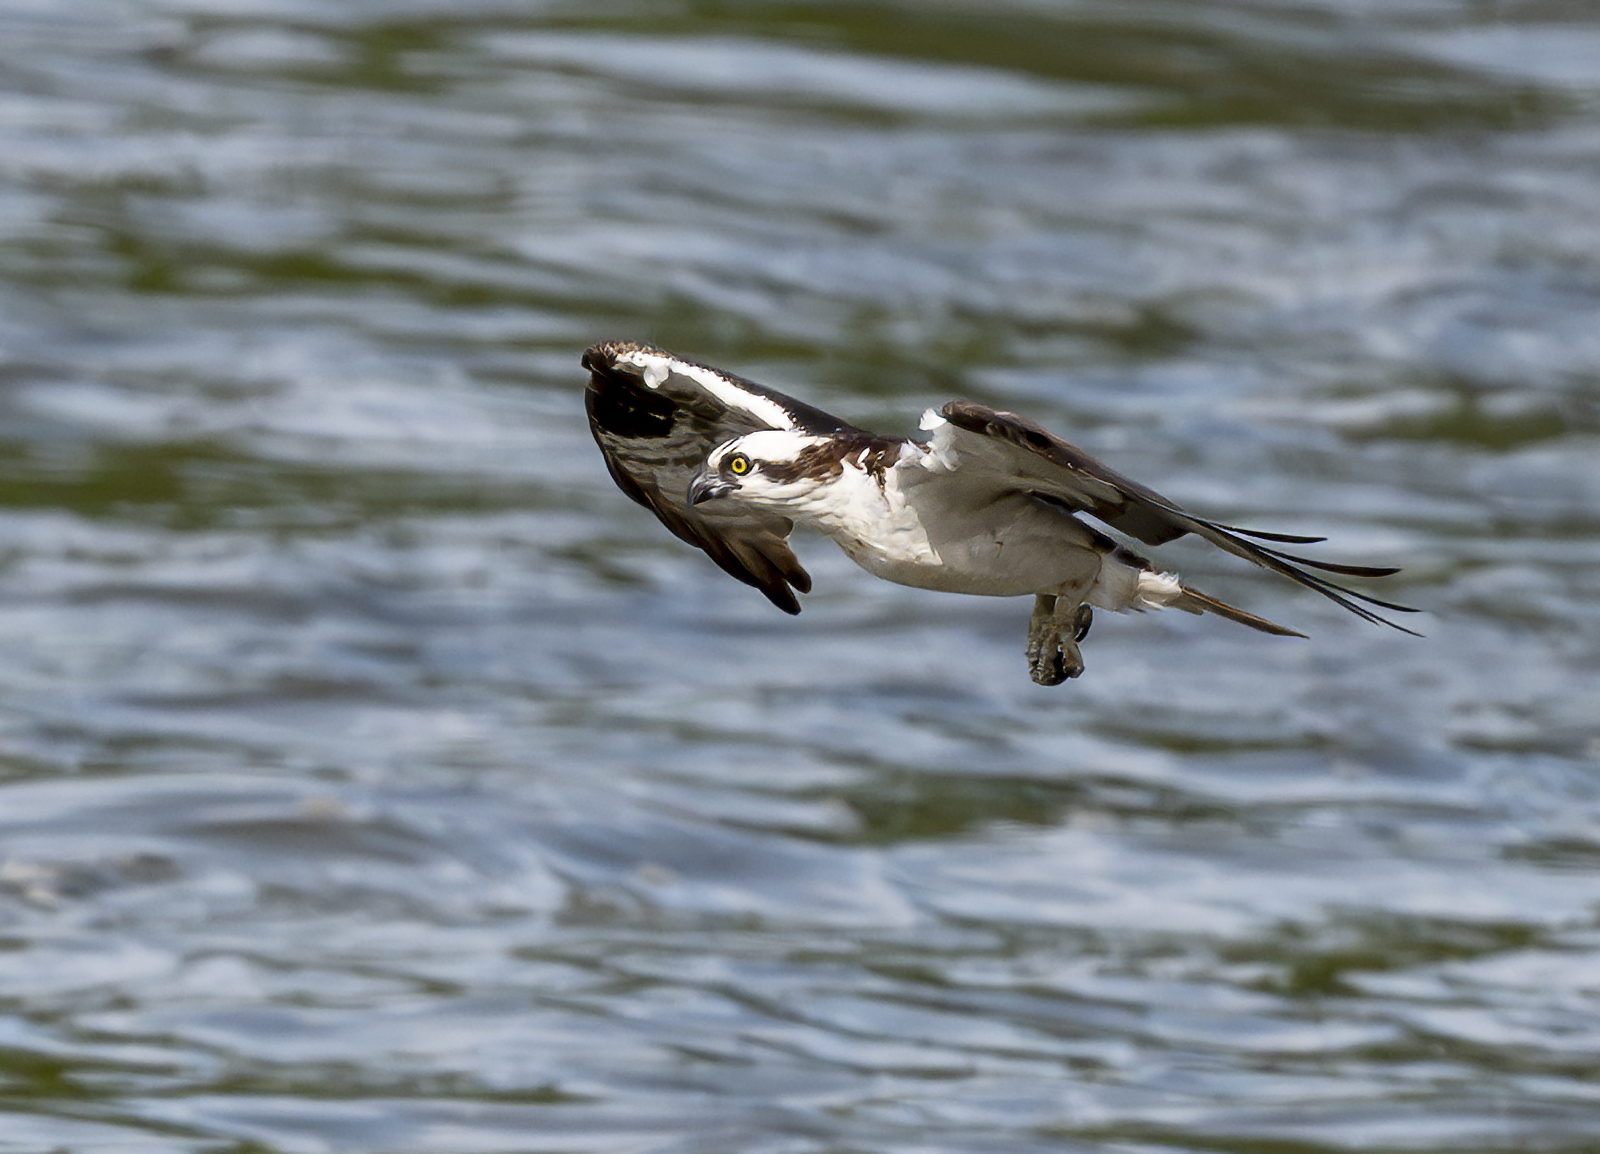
x=707 y=488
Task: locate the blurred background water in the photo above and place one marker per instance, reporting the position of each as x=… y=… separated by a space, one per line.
x=375 y=777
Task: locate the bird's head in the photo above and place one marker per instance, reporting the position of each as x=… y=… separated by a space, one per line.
x=772 y=468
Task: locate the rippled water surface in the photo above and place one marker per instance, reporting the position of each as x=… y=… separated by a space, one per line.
x=375 y=777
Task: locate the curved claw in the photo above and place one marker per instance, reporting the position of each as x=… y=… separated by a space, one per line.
x=1053 y=653
x=1055 y=664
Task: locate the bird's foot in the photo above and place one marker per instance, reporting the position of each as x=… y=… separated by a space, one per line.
x=1056 y=659
x=1053 y=654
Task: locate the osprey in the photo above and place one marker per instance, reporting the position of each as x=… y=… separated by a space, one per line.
x=988 y=503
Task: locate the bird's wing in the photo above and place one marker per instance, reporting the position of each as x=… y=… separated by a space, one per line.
x=656 y=417
x=1058 y=472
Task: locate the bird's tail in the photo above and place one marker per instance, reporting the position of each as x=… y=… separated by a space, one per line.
x=1193 y=601
x=1157 y=590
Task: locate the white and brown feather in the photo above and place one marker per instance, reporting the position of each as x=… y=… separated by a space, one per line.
x=656 y=417
x=986 y=505
x=1068 y=475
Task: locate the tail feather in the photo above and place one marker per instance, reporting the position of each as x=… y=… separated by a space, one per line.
x=1193 y=601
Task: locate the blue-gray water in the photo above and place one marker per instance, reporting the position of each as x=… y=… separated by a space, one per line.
x=375 y=777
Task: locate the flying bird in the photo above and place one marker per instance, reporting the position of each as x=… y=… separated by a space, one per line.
x=987 y=503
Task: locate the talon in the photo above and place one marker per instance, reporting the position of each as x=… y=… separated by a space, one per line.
x=1053 y=656
x=1055 y=660
x=1071 y=660
x=1047 y=669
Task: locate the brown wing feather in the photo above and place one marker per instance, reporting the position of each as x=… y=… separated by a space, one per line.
x=1079 y=481
x=653 y=441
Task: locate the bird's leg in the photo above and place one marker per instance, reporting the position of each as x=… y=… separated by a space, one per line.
x=1043 y=605
x=1056 y=627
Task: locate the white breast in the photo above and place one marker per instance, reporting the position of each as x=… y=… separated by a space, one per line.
x=873 y=523
x=928 y=526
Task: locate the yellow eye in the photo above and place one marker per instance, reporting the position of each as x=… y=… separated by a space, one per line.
x=738 y=464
